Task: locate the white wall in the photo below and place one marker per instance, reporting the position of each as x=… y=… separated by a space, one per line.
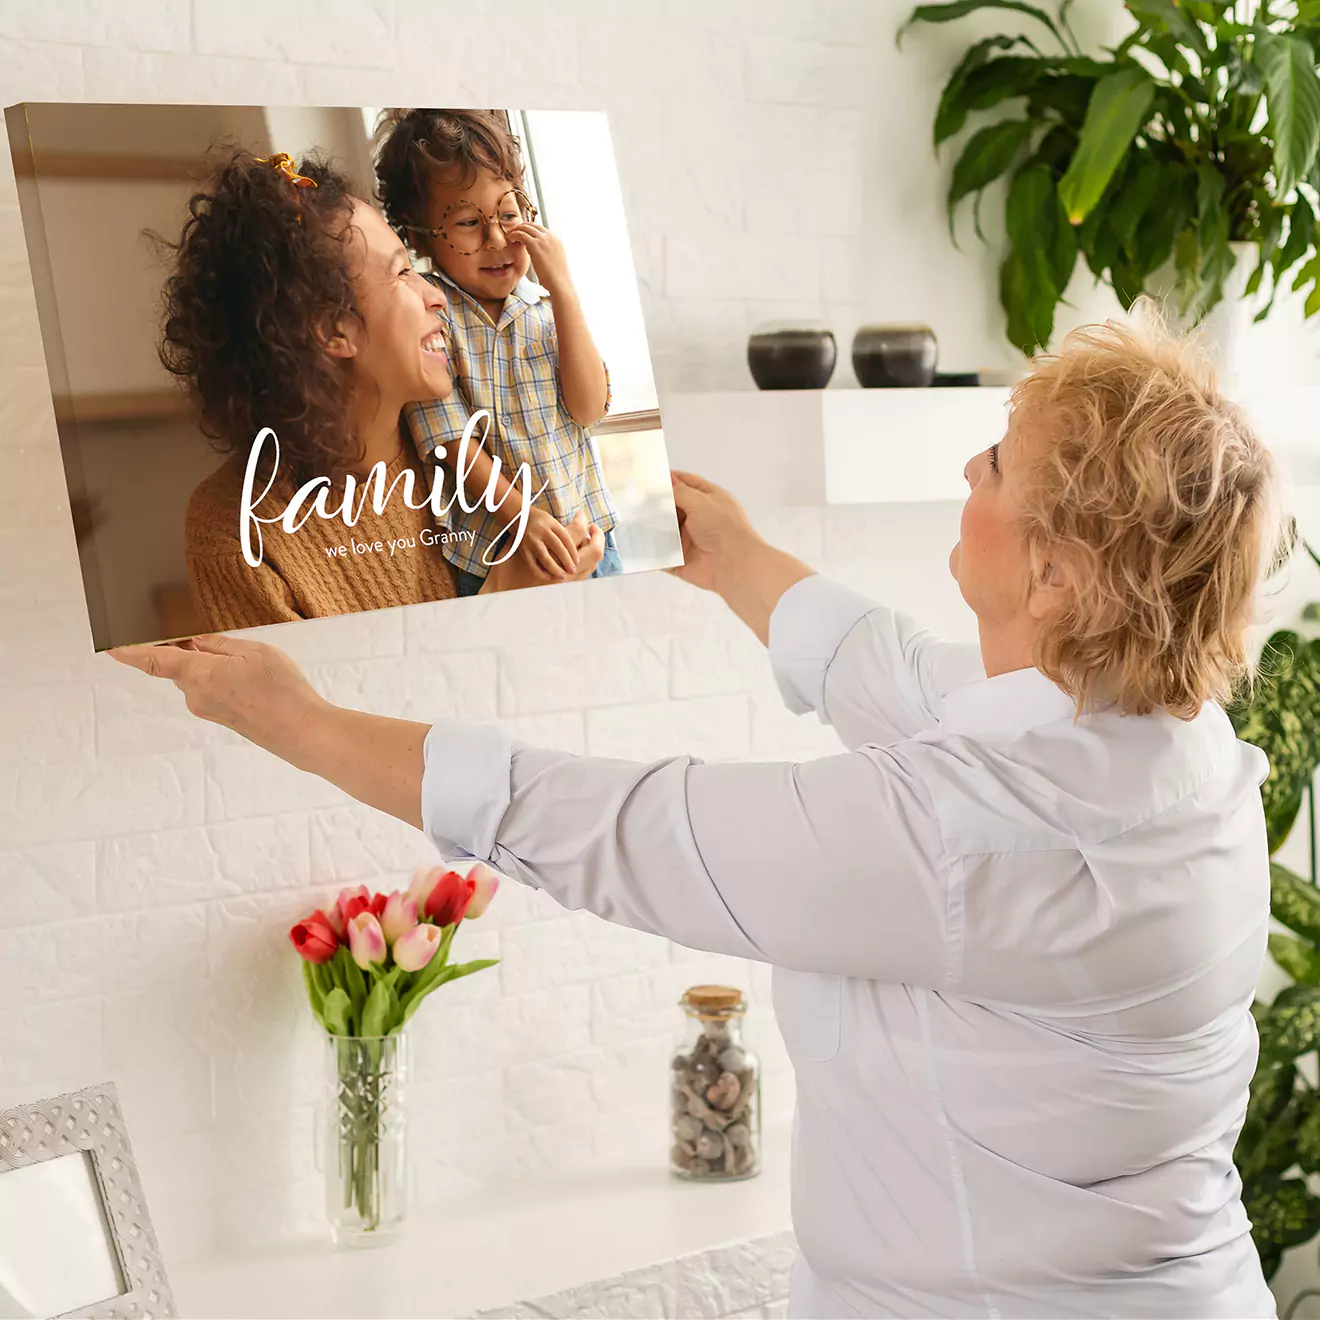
x=150 y=865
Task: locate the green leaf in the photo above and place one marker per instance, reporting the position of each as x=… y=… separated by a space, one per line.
x=1115 y=115
x=1292 y=1030
x=1271 y=1149
x=958 y=98
x=1294 y=903
x=1300 y=959
x=946 y=13
x=1168 y=16
x=351 y=978
x=987 y=155
x=467 y=968
x=376 y=1013
x=315 y=997
x=1307 y=1140
x=1037 y=224
x=1293 y=96
x=1284 y=1213
x=1271 y=1090
x=1028 y=303
x=337 y=1012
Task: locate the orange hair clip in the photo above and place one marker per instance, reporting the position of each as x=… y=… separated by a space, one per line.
x=282 y=163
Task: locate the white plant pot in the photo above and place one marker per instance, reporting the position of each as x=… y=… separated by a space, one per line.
x=1228 y=331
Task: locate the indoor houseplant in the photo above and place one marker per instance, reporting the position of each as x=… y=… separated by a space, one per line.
x=1280 y=1141
x=369 y=960
x=1198 y=132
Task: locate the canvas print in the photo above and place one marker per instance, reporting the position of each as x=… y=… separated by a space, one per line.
x=313 y=361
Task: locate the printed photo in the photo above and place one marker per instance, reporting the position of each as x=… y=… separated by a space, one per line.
x=315 y=361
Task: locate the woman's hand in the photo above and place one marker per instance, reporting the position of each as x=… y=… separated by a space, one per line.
x=717 y=534
x=249 y=687
x=724 y=553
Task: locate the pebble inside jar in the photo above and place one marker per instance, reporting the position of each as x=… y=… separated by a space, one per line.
x=715 y=1096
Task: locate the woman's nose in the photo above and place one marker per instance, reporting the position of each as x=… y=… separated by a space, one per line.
x=436 y=300
x=968 y=469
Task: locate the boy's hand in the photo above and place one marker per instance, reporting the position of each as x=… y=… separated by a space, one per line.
x=547 y=254
x=549 y=547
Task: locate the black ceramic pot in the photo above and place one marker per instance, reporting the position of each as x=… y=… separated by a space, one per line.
x=894 y=356
x=792 y=359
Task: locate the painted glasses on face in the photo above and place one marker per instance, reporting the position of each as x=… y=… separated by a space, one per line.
x=465 y=226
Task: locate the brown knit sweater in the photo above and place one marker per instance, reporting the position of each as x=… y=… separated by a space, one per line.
x=297 y=577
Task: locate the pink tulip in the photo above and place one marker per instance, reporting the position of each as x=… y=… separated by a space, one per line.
x=423 y=882
x=346 y=896
x=416 y=948
x=487 y=882
x=366 y=941
x=399 y=916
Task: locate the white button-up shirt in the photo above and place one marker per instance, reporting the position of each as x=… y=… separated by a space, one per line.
x=1015 y=957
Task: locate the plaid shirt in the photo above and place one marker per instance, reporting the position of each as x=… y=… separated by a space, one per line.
x=512 y=370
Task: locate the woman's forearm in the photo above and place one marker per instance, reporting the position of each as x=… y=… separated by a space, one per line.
x=582 y=381
x=480 y=465
x=751 y=578
x=373 y=758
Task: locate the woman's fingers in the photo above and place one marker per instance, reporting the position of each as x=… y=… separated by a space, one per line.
x=159 y=661
x=691 y=479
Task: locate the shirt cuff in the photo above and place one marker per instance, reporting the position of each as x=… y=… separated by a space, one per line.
x=465 y=786
x=807 y=627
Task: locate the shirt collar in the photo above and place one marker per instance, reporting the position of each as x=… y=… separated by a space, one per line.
x=527 y=292
x=1007 y=703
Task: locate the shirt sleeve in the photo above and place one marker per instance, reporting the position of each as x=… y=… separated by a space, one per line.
x=871 y=672
x=834 y=865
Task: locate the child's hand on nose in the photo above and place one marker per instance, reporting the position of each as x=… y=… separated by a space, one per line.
x=547 y=254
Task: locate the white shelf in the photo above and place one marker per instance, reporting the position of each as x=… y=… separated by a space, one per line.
x=499 y=1244
x=854 y=446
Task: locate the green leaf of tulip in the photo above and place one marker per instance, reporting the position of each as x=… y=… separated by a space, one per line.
x=315 y=996
x=337 y=1012
x=376 y=1012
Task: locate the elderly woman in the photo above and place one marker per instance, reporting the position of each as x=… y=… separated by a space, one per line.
x=1036 y=882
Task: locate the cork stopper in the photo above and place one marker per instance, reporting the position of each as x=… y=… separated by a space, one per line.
x=713 y=1001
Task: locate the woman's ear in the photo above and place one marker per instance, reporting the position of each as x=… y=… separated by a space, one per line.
x=336 y=342
x=1052 y=588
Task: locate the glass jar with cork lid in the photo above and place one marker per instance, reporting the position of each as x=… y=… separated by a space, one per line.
x=715 y=1097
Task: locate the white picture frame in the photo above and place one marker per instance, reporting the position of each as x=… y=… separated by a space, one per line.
x=90 y=1121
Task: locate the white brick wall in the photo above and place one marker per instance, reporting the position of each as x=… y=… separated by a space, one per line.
x=150 y=865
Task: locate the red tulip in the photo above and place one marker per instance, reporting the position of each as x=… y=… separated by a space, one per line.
x=315 y=938
x=448 y=900
x=347 y=896
x=485 y=882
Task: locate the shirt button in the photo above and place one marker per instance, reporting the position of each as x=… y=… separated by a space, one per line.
x=507 y=420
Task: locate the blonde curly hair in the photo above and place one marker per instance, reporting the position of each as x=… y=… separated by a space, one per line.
x=1163 y=502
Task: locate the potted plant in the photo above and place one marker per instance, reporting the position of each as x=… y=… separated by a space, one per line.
x=1198 y=133
x=1280 y=1141
x=368 y=962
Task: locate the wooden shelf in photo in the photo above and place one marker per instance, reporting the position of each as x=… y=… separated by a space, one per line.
x=855 y=446
x=123 y=406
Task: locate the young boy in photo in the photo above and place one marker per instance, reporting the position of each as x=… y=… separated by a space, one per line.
x=451 y=183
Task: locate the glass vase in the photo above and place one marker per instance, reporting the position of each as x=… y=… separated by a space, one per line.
x=365 y=1133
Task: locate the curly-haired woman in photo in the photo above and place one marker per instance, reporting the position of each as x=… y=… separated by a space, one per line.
x=293 y=306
